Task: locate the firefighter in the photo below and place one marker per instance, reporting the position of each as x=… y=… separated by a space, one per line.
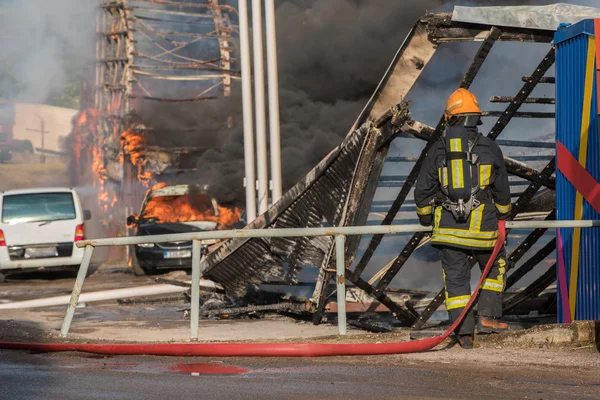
x=463 y=190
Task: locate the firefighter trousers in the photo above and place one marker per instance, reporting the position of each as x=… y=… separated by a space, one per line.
x=457 y=281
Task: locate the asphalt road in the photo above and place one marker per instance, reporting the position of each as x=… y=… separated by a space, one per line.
x=78 y=376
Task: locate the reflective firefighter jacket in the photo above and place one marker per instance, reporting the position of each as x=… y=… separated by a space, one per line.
x=480 y=230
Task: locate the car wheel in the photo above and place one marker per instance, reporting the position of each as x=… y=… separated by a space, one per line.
x=2 y=278
x=135 y=265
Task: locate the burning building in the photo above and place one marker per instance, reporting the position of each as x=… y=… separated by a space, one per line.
x=143 y=117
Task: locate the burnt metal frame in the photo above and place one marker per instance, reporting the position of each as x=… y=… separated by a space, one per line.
x=519 y=170
x=223 y=264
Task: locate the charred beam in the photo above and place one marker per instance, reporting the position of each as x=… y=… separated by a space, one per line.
x=528 y=243
x=163 y=100
x=480 y=57
x=180 y=4
x=531 y=158
x=545 y=79
x=173 y=21
x=528 y=265
x=520 y=114
x=442 y=28
x=186 y=68
x=404 y=314
x=190 y=34
x=122 y=60
x=456 y=34
x=524 y=171
x=530 y=100
x=476 y=64
x=113 y=33
x=524 y=143
x=194 y=14
x=399 y=262
x=532 y=291
x=544 y=176
x=523 y=94
x=112 y=5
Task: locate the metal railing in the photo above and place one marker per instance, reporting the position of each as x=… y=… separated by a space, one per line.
x=339 y=233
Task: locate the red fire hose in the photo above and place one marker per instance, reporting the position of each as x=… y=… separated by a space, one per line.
x=265 y=349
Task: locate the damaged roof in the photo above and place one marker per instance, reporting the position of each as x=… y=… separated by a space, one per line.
x=531 y=17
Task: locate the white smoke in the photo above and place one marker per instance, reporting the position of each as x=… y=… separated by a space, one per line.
x=45 y=42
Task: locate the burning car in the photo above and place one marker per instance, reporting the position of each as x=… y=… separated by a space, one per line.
x=176 y=209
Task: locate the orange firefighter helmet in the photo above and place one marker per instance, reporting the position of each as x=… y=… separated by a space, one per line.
x=461 y=102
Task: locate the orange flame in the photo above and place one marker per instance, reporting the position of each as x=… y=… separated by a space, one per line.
x=197 y=207
x=134 y=144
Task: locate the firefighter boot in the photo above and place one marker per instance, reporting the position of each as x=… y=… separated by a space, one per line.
x=466 y=341
x=491 y=325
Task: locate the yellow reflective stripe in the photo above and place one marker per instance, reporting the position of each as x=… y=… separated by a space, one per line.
x=457 y=174
x=448 y=239
x=467 y=233
x=457 y=302
x=445 y=287
x=455 y=145
x=485 y=172
x=503 y=209
x=476 y=218
x=494 y=285
x=443 y=176
x=427 y=210
x=437 y=217
x=457 y=165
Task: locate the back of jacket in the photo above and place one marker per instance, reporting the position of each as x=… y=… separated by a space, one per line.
x=480 y=230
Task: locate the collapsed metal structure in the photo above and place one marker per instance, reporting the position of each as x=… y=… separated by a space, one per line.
x=339 y=190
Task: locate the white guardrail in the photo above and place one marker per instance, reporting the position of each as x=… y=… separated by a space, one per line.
x=339 y=233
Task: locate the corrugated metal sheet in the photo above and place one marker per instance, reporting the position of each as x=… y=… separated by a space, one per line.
x=329 y=194
x=571 y=57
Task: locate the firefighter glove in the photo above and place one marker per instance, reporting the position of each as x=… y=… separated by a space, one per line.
x=426 y=220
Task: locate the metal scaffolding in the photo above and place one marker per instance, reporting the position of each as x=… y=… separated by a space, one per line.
x=148 y=51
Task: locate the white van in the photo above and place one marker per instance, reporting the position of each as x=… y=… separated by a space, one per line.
x=38 y=228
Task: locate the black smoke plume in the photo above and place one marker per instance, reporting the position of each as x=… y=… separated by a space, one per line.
x=331 y=56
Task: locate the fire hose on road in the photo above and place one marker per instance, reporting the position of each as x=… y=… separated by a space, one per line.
x=266 y=349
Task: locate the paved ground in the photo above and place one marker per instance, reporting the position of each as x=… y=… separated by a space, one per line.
x=543 y=363
x=160 y=321
x=77 y=376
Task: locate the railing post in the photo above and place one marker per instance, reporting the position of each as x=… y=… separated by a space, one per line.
x=340 y=271
x=83 y=269
x=195 y=306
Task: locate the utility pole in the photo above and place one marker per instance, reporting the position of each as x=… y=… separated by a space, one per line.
x=43 y=133
x=274 y=131
x=250 y=173
x=259 y=99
